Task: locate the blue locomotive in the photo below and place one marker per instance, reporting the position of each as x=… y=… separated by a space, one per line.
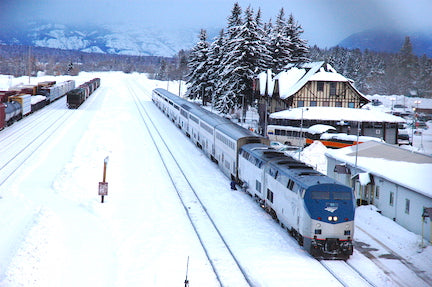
x=315 y=209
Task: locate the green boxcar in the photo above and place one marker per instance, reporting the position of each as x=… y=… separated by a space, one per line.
x=75 y=98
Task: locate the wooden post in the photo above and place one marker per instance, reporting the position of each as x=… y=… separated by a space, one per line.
x=103 y=186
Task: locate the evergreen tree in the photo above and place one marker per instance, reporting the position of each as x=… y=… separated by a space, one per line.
x=265 y=59
x=280 y=44
x=198 y=65
x=214 y=66
x=226 y=97
x=242 y=61
x=407 y=67
x=424 y=84
x=298 y=46
x=162 y=73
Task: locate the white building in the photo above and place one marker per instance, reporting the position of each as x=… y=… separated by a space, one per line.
x=397 y=181
x=346 y=120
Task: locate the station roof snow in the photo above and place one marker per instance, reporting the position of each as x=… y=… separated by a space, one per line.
x=336 y=114
x=409 y=169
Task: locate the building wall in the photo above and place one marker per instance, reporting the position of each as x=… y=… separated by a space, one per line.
x=397 y=210
x=326 y=94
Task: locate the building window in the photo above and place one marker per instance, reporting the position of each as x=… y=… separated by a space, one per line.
x=313 y=103
x=258 y=186
x=332 y=89
x=407 y=206
x=391 y=198
x=351 y=105
x=320 y=86
x=338 y=104
x=300 y=104
x=325 y=103
x=377 y=192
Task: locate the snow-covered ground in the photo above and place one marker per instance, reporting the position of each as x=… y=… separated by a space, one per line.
x=56 y=232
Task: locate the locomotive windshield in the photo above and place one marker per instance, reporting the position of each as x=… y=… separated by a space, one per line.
x=336 y=195
x=320 y=194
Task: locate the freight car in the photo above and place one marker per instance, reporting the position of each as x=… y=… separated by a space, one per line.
x=76 y=97
x=21 y=100
x=57 y=90
x=316 y=210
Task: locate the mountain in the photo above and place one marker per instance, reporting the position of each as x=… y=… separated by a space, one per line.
x=112 y=39
x=389 y=41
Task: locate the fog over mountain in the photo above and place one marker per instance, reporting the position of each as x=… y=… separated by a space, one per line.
x=391 y=41
x=133 y=39
x=325 y=22
x=113 y=39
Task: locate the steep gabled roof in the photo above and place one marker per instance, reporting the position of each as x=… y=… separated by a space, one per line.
x=296 y=76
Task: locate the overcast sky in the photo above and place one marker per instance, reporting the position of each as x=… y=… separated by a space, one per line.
x=325 y=22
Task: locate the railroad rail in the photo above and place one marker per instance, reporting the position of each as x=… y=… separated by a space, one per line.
x=227 y=269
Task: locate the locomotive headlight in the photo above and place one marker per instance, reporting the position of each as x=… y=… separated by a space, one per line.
x=332 y=218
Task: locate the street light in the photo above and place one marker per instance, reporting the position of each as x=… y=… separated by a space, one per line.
x=417 y=103
x=301 y=132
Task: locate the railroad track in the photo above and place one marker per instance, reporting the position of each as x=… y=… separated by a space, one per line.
x=31 y=134
x=227 y=269
x=22 y=144
x=10 y=135
x=388 y=261
x=345 y=273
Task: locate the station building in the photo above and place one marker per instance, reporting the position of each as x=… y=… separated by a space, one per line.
x=397 y=181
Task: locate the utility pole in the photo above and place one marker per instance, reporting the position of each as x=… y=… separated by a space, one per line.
x=29 y=64
x=186 y=282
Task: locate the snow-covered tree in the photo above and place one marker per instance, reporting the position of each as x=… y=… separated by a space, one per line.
x=216 y=51
x=299 y=48
x=280 y=45
x=265 y=59
x=226 y=95
x=197 y=77
x=242 y=60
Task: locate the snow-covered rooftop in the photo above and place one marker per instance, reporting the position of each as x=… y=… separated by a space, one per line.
x=337 y=114
x=409 y=169
x=323 y=75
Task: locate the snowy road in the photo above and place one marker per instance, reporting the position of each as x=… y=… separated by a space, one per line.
x=55 y=231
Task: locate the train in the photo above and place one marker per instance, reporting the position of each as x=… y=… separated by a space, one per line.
x=315 y=209
x=76 y=97
x=22 y=100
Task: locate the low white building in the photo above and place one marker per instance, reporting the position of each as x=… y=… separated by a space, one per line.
x=372 y=123
x=397 y=181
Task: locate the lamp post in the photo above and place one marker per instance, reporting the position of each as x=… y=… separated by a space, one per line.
x=301 y=132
